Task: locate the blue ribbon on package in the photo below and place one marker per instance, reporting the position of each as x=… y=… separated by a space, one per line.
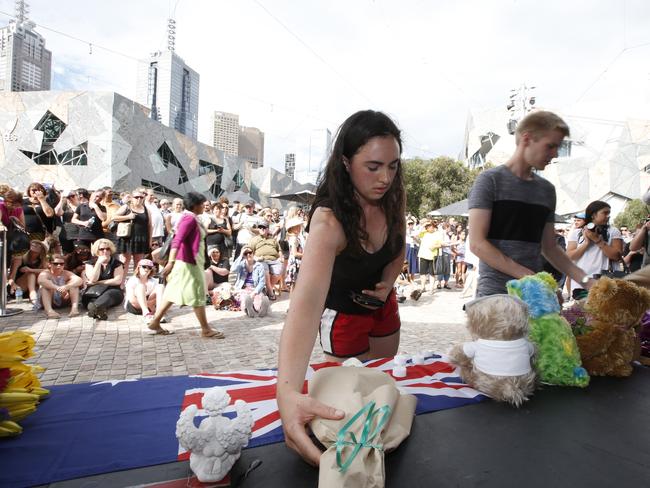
x=367 y=436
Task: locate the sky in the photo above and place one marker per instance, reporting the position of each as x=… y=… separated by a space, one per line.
x=290 y=67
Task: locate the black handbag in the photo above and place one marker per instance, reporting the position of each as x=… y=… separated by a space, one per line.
x=95 y=291
x=163 y=253
x=17 y=237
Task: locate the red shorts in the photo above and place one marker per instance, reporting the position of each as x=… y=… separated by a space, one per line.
x=347 y=335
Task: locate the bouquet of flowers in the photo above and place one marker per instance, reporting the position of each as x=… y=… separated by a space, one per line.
x=20 y=389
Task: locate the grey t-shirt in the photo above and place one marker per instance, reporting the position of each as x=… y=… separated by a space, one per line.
x=520 y=211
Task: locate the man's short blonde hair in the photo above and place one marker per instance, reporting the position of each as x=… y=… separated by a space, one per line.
x=539 y=122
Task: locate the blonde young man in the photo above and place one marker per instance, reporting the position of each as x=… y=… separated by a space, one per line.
x=512 y=210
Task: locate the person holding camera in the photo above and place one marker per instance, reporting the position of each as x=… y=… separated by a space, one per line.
x=597 y=246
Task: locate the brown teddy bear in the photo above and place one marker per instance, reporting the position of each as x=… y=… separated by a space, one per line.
x=499 y=361
x=609 y=343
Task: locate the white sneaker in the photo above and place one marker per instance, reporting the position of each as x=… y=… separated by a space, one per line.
x=247 y=305
x=264 y=306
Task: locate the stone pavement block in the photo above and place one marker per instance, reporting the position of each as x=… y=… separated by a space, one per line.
x=81 y=349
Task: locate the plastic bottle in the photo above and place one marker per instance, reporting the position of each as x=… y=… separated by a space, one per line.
x=19 y=295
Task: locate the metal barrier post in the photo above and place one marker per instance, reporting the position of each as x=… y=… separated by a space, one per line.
x=4 y=311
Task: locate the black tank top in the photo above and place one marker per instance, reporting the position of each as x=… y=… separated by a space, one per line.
x=356 y=273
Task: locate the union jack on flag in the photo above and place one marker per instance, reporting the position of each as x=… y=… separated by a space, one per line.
x=435 y=383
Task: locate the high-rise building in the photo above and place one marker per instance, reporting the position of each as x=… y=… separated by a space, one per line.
x=170 y=88
x=25 y=64
x=251 y=145
x=226 y=132
x=289 y=165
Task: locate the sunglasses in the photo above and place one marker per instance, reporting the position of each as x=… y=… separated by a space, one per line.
x=103 y=249
x=58 y=264
x=138 y=197
x=248 y=253
x=144 y=266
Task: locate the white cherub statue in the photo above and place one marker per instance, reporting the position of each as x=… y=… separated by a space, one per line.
x=217 y=443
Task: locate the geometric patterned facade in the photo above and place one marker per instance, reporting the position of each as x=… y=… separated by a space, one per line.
x=94 y=139
x=602 y=160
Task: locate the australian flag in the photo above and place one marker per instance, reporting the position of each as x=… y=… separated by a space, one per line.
x=94 y=428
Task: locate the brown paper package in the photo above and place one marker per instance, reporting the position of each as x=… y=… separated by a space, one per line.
x=349 y=389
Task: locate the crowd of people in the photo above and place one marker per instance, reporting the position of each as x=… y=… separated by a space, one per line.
x=364 y=254
x=101 y=249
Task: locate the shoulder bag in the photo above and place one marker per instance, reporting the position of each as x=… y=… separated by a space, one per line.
x=124 y=229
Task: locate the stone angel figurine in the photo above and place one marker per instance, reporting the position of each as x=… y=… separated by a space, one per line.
x=217 y=443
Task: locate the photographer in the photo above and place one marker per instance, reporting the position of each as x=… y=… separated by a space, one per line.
x=597 y=246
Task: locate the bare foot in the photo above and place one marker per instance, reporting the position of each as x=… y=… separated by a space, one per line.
x=52 y=315
x=213 y=333
x=73 y=313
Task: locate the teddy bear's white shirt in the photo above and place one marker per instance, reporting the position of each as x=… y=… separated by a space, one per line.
x=500 y=358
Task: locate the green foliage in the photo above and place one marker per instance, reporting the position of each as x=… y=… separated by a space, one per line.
x=431 y=184
x=634 y=213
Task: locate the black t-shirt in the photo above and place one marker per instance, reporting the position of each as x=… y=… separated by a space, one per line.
x=107 y=272
x=217 y=278
x=94 y=232
x=35 y=218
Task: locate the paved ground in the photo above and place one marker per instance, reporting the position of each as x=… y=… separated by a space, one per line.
x=82 y=350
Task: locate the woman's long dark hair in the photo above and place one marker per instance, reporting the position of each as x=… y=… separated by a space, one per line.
x=335 y=189
x=593 y=208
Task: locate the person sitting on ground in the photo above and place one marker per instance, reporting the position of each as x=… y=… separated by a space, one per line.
x=31 y=265
x=267 y=250
x=76 y=261
x=250 y=283
x=142 y=291
x=104 y=275
x=58 y=288
x=217 y=271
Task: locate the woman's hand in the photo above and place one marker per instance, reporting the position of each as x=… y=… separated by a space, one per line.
x=296 y=411
x=591 y=235
x=381 y=292
x=167 y=269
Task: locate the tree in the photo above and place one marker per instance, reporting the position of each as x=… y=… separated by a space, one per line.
x=431 y=184
x=634 y=213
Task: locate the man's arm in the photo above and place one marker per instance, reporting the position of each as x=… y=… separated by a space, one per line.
x=479 y=226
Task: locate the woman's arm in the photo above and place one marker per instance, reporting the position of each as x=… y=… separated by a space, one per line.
x=637 y=243
x=227 y=230
x=326 y=239
x=75 y=218
x=122 y=214
x=116 y=280
x=168 y=223
x=47 y=210
x=58 y=210
x=575 y=251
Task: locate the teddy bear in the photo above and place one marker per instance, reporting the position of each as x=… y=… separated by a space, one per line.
x=558 y=359
x=498 y=361
x=608 y=343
